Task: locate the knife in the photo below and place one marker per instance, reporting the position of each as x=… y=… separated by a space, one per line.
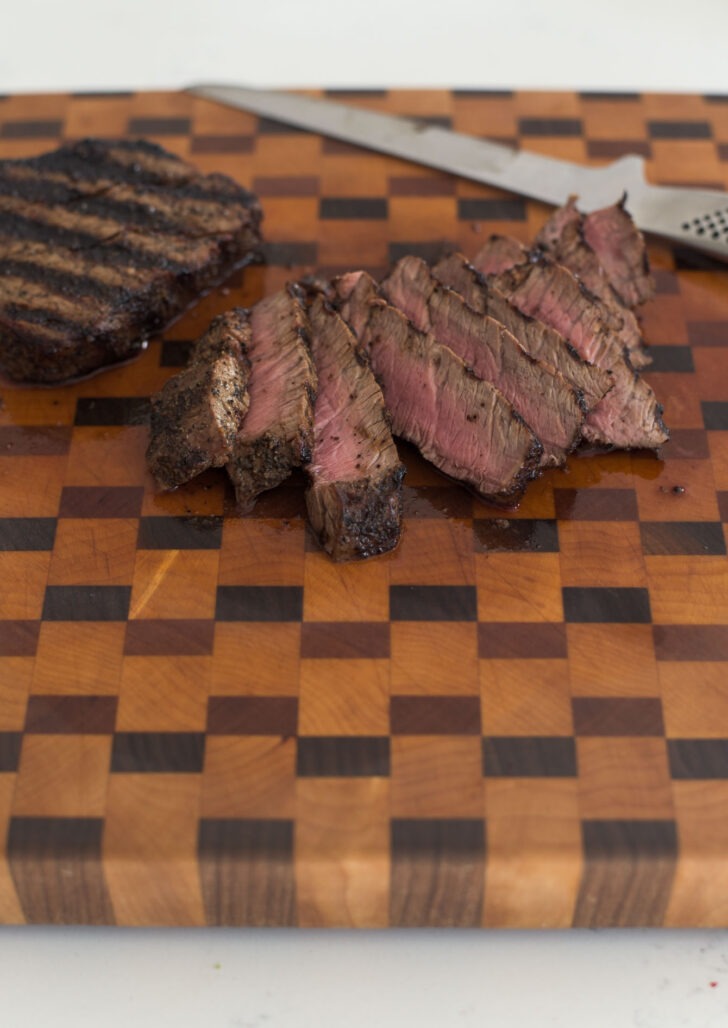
x=691 y=217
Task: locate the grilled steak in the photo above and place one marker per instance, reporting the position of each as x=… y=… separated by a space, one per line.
x=542 y=396
x=103 y=243
x=277 y=433
x=536 y=338
x=460 y=423
x=563 y=238
x=354 y=498
x=629 y=416
x=196 y=415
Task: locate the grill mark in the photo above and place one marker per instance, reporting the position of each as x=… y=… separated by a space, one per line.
x=83 y=177
x=80 y=264
x=15 y=228
x=38 y=185
x=38 y=190
x=126 y=161
x=129 y=213
x=175 y=212
x=151 y=250
x=152 y=214
x=75 y=175
x=17 y=314
x=64 y=282
x=85 y=238
x=73 y=170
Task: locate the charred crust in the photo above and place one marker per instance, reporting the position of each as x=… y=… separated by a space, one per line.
x=304 y=335
x=574 y=353
x=522 y=421
x=530 y=470
x=584 y=290
x=361 y=355
x=355 y=520
x=296 y=291
x=581 y=401
x=475 y=275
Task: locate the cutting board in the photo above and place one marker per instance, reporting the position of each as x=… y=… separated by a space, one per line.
x=516 y=719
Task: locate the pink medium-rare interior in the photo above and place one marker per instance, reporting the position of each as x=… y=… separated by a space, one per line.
x=271 y=361
x=438 y=421
x=342 y=452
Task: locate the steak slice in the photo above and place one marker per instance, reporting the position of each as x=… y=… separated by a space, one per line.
x=629 y=416
x=460 y=423
x=354 y=499
x=353 y=295
x=542 y=396
x=197 y=413
x=562 y=237
x=103 y=243
x=536 y=338
x=621 y=250
x=277 y=433
x=499 y=254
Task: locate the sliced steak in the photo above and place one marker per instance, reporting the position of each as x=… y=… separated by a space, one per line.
x=499 y=254
x=102 y=244
x=563 y=238
x=621 y=250
x=352 y=294
x=354 y=499
x=629 y=416
x=277 y=433
x=196 y=415
x=536 y=338
x=460 y=423
x=542 y=396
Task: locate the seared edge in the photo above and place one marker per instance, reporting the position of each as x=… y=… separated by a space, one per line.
x=197 y=413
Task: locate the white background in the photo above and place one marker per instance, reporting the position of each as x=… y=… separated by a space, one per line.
x=625 y=44
x=266 y=979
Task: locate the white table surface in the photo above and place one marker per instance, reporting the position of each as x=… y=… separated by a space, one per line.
x=303 y=979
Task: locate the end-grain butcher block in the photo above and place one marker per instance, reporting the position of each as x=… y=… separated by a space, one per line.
x=277 y=433
x=629 y=416
x=538 y=339
x=543 y=397
x=196 y=415
x=460 y=423
x=103 y=243
x=564 y=237
x=354 y=498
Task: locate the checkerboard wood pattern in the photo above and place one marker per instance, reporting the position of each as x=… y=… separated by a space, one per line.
x=514 y=720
